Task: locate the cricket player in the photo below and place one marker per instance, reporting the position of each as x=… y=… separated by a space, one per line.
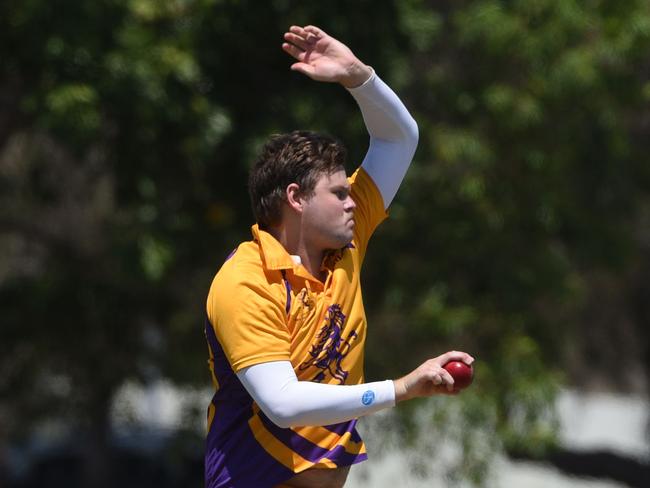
x=285 y=321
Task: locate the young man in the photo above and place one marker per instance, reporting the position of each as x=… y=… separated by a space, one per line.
x=286 y=325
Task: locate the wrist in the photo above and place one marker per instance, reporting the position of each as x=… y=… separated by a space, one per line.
x=400 y=390
x=357 y=74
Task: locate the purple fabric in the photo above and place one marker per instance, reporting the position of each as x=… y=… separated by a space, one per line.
x=288 y=287
x=233 y=457
x=331 y=347
x=308 y=449
x=236 y=460
x=344 y=427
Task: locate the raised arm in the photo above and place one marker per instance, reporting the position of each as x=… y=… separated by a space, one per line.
x=393 y=136
x=393 y=132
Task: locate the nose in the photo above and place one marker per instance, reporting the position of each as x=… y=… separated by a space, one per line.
x=350 y=204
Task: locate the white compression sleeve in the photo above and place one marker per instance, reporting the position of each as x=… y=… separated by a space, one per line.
x=393 y=135
x=290 y=403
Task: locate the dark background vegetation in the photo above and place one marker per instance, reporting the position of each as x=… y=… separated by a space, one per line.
x=521 y=234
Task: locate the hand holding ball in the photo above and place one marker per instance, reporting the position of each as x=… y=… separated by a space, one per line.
x=461 y=373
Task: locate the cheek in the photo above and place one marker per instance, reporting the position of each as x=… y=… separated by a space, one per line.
x=327 y=212
x=326 y=216
x=337 y=209
x=330 y=208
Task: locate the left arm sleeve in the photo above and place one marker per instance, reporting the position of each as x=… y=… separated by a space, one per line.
x=393 y=135
x=291 y=403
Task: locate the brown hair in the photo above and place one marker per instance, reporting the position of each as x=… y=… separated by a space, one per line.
x=299 y=157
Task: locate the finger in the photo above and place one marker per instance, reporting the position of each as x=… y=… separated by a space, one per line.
x=296 y=29
x=447 y=379
x=313 y=34
x=312 y=29
x=294 y=51
x=296 y=40
x=455 y=356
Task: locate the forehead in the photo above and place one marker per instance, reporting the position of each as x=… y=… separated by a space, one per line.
x=328 y=180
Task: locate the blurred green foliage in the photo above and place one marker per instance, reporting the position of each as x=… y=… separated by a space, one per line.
x=127 y=128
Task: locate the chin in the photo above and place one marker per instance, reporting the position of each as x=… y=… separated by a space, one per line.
x=339 y=240
x=338 y=244
x=344 y=242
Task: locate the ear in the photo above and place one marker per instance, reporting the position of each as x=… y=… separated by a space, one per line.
x=295 y=198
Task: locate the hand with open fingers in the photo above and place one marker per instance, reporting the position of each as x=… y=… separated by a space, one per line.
x=430 y=378
x=323 y=58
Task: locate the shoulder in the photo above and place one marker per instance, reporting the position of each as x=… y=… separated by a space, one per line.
x=243 y=282
x=243 y=262
x=370 y=211
x=365 y=189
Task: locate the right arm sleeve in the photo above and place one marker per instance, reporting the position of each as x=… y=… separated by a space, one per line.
x=393 y=135
x=291 y=403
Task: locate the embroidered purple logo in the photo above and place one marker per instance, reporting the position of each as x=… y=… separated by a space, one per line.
x=331 y=347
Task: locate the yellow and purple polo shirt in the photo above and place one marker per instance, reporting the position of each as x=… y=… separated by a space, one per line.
x=263 y=307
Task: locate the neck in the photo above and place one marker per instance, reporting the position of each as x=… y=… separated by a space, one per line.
x=295 y=244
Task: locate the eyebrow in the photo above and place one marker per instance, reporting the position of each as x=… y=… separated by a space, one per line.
x=347 y=187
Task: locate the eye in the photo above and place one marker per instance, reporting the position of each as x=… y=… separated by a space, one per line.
x=341 y=194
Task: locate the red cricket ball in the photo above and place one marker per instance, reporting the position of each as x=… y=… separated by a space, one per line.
x=461 y=373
